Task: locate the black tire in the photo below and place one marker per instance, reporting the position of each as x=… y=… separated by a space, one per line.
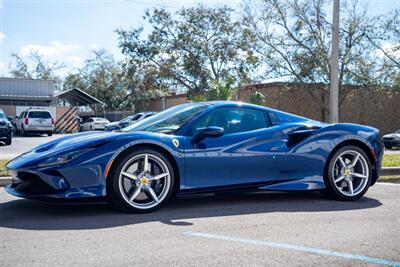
x=331 y=190
x=49 y=133
x=9 y=139
x=388 y=147
x=115 y=195
x=23 y=132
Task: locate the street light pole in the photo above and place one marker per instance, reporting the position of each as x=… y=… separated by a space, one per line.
x=334 y=86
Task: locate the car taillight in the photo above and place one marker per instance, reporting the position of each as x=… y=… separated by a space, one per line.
x=26 y=121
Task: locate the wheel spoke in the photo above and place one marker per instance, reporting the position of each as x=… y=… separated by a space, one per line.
x=342 y=162
x=359 y=175
x=130 y=175
x=350 y=186
x=135 y=194
x=339 y=178
x=354 y=162
x=153 y=194
x=159 y=176
x=146 y=163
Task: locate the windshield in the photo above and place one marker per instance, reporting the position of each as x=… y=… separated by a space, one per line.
x=169 y=120
x=126 y=119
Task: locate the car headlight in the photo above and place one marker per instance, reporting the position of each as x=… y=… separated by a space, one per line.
x=63 y=158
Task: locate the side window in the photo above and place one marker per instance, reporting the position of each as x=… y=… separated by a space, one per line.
x=277 y=117
x=89 y=120
x=233 y=120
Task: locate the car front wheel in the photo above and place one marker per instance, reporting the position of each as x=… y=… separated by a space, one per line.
x=9 y=139
x=141 y=182
x=349 y=174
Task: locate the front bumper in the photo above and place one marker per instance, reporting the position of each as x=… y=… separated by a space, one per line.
x=5 y=132
x=52 y=184
x=82 y=179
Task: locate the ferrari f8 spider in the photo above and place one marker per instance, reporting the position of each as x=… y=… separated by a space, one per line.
x=201 y=147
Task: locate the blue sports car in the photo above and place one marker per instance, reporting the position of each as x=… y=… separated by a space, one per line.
x=201 y=147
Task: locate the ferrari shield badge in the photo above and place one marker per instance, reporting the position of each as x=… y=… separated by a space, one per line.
x=175 y=142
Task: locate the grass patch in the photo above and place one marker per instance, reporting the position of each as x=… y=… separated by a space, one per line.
x=3 y=170
x=391 y=161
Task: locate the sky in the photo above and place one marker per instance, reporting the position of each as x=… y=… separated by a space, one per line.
x=67 y=30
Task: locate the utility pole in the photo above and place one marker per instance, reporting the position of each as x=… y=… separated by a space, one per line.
x=334 y=86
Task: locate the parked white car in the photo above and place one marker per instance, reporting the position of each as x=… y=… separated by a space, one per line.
x=35 y=121
x=128 y=121
x=93 y=124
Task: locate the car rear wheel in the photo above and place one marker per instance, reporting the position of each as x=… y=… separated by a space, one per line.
x=141 y=182
x=49 y=133
x=388 y=147
x=348 y=175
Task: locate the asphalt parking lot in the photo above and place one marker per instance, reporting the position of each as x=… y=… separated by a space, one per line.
x=22 y=144
x=268 y=229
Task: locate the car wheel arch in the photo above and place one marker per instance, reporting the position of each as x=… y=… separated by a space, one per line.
x=156 y=147
x=361 y=145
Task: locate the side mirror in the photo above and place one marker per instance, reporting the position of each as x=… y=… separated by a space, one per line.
x=211 y=131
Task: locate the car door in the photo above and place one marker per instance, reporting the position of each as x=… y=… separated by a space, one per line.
x=248 y=153
x=20 y=121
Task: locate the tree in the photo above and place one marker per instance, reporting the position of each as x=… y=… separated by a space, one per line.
x=35 y=67
x=294 y=37
x=385 y=38
x=217 y=91
x=119 y=85
x=192 y=48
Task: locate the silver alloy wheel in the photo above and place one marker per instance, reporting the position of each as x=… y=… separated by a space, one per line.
x=350 y=173
x=144 y=181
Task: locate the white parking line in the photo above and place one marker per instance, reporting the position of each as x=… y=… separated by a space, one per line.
x=318 y=251
x=381 y=183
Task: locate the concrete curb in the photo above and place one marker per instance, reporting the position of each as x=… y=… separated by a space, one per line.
x=5 y=181
x=389 y=171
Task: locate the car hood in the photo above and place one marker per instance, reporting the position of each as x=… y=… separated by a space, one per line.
x=76 y=141
x=81 y=141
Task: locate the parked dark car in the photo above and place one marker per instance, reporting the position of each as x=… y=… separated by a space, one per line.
x=6 y=129
x=392 y=140
x=128 y=121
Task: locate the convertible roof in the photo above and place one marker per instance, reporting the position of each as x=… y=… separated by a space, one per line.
x=77 y=97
